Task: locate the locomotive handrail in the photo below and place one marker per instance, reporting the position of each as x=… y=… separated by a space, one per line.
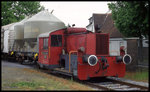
x=49 y=51
x=69 y=57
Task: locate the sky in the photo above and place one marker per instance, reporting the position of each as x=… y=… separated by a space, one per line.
x=76 y=13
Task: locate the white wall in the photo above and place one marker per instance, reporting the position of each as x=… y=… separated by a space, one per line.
x=114 y=46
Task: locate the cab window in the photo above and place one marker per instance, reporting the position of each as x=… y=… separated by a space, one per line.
x=56 y=40
x=45 y=43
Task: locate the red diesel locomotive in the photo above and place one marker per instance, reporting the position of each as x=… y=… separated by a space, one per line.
x=80 y=53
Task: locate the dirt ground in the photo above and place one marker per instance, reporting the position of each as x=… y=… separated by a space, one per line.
x=21 y=77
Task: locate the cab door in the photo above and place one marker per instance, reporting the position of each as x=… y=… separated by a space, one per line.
x=55 y=48
x=43 y=51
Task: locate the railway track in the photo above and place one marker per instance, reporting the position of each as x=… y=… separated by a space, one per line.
x=105 y=84
x=117 y=85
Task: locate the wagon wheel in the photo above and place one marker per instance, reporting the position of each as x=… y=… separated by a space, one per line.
x=20 y=60
x=2 y=56
x=38 y=66
x=6 y=57
x=16 y=58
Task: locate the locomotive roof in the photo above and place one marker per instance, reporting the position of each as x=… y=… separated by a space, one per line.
x=46 y=34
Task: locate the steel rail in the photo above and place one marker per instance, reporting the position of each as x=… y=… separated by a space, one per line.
x=130 y=84
x=117 y=85
x=98 y=86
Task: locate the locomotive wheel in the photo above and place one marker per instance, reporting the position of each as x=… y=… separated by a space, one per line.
x=40 y=67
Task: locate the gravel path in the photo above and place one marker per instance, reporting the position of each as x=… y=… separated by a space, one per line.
x=14 y=64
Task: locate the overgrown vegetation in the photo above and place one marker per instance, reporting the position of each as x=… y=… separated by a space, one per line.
x=35 y=85
x=140 y=75
x=29 y=79
x=131 y=17
x=25 y=84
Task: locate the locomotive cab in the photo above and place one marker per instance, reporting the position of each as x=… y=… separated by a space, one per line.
x=50 y=47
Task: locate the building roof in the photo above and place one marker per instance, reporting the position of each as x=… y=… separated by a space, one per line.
x=106 y=25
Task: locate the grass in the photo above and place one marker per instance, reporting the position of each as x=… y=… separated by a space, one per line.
x=25 y=85
x=29 y=79
x=43 y=84
x=138 y=75
x=38 y=85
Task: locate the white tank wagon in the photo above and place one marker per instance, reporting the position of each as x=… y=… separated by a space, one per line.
x=2 y=39
x=5 y=40
x=26 y=44
x=19 y=35
x=42 y=22
x=11 y=38
x=5 y=37
x=19 y=29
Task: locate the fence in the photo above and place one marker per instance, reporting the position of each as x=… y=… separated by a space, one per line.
x=133 y=50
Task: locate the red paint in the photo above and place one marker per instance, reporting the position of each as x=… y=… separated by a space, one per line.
x=55 y=51
x=75 y=30
x=114 y=69
x=43 y=53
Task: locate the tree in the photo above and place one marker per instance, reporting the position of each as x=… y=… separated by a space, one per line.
x=14 y=11
x=131 y=18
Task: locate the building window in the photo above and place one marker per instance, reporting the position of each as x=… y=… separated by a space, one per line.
x=45 y=43
x=56 y=40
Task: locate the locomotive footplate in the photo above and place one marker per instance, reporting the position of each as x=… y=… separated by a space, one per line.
x=73 y=64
